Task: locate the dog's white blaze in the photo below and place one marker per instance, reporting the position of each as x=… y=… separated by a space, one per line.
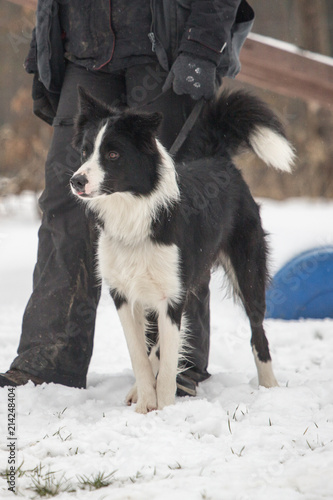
x=265 y=371
x=146 y=273
x=92 y=168
x=272 y=148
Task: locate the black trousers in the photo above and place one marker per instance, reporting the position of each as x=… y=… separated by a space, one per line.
x=58 y=324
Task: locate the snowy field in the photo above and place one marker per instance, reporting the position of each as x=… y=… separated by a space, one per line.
x=232 y=442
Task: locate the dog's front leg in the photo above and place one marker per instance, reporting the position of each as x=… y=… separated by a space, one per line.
x=169 y=337
x=133 y=323
x=154 y=358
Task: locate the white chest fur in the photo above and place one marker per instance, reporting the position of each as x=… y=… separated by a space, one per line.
x=147 y=273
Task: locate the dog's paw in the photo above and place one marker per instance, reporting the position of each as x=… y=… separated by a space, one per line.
x=165 y=401
x=147 y=402
x=266 y=375
x=268 y=382
x=132 y=396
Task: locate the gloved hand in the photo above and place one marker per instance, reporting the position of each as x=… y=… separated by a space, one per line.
x=193 y=76
x=45 y=103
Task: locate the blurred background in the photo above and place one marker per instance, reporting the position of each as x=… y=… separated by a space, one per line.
x=24 y=139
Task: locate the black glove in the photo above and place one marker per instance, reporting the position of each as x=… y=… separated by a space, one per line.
x=45 y=103
x=193 y=76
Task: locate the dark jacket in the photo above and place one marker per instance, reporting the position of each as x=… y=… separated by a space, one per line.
x=212 y=29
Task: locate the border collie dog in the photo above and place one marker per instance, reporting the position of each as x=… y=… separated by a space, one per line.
x=165 y=225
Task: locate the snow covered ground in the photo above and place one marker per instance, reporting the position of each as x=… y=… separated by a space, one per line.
x=232 y=442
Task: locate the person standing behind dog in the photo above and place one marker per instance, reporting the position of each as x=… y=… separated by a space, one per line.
x=159 y=55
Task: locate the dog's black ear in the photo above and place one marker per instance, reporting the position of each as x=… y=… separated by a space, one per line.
x=141 y=127
x=148 y=122
x=140 y=123
x=91 y=107
x=151 y=121
x=90 y=110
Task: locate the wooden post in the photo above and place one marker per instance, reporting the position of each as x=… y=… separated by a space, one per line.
x=285 y=69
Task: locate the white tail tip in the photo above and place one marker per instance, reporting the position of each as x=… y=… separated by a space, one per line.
x=272 y=148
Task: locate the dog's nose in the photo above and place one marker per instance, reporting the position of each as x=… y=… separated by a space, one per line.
x=78 y=182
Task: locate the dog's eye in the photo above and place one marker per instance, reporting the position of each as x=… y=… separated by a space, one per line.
x=113 y=155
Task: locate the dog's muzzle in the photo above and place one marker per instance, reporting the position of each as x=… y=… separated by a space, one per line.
x=78 y=183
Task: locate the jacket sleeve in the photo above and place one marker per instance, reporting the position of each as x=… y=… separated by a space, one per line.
x=45 y=103
x=208 y=28
x=30 y=63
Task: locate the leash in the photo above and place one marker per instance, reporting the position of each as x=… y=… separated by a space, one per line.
x=186 y=128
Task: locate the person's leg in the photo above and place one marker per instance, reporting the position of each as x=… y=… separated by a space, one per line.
x=58 y=324
x=198 y=317
x=144 y=90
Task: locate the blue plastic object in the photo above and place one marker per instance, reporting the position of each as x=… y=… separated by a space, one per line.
x=303 y=288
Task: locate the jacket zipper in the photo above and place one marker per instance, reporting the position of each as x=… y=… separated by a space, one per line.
x=151 y=35
x=152 y=39
x=112 y=52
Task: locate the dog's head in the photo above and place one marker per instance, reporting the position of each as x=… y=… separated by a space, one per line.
x=118 y=150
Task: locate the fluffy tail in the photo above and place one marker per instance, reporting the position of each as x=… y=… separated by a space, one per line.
x=239 y=120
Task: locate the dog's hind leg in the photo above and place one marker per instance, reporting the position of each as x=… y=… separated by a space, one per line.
x=169 y=320
x=133 y=323
x=247 y=255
